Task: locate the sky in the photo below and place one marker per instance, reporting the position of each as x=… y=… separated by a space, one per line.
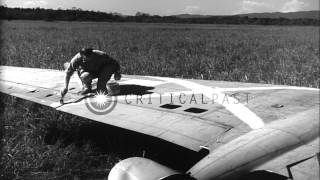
x=173 y=7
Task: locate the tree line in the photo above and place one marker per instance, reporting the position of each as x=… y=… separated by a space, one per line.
x=76 y=14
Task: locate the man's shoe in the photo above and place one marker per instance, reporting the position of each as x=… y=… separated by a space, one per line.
x=101 y=91
x=85 y=91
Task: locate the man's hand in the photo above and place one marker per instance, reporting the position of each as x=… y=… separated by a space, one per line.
x=63 y=92
x=117 y=76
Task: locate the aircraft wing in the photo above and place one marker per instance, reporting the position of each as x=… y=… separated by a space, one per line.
x=190 y=113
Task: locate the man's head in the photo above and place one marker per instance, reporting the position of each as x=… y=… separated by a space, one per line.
x=85 y=53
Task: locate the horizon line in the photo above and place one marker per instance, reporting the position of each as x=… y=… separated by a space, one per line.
x=76 y=8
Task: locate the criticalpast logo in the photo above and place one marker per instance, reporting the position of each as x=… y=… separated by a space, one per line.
x=101 y=103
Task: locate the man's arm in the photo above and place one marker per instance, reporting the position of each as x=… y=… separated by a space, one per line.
x=70 y=68
x=117 y=73
x=66 y=82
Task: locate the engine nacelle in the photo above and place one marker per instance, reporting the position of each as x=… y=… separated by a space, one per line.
x=137 y=168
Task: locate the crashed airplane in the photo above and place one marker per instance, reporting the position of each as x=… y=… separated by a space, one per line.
x=244 y=129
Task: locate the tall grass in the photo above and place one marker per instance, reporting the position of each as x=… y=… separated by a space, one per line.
x=40 y=143
x=263 y=54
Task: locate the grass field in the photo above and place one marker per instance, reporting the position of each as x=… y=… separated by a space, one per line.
x=39 y=143
x=263 y=54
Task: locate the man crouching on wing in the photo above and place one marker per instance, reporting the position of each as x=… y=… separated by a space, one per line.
x=91 y=64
